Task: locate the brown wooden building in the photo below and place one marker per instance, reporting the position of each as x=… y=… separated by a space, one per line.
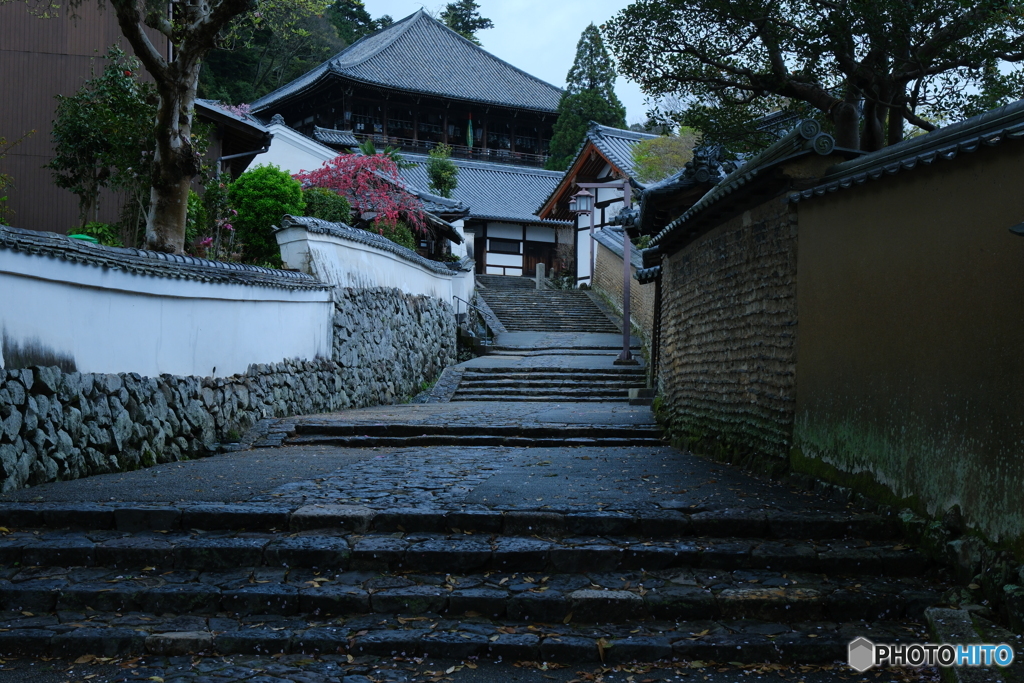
x=417 y=84
x=43 y=58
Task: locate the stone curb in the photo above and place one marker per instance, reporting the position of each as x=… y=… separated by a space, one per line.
x=960 y=626
x=664 y=523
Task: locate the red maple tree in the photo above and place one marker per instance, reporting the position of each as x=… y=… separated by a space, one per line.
x=372 y=185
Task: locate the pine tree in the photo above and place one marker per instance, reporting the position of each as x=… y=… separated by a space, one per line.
x=589 y=96
x=464 y=18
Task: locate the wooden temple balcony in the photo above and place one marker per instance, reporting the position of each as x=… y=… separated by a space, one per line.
x=503 y=156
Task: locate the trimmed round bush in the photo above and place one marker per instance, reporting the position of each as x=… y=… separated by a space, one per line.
x=262 y=196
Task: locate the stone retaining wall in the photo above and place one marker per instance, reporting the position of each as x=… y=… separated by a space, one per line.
x=56 y=425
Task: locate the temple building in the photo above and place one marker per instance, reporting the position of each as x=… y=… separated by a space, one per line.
x=417 y=84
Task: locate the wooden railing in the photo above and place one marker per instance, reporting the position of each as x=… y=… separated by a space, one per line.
x=458 y=151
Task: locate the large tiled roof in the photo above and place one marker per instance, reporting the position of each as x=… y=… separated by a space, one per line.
x=420 y=54
x=493 y=191
x=992 y=128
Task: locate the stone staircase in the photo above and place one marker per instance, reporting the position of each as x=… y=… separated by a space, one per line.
x=505 y=282
x=549 y=384
x=732 y=585
x=547 y=310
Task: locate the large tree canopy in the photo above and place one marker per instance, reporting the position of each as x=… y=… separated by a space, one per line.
x=589 y=96
x=866 y=66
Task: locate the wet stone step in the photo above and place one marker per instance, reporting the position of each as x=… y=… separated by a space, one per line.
x=71 y=635
x=408 y=549
x=389 y=429
x=544 y=398
x=456 y=440
x=650 y=523
x=582 y=598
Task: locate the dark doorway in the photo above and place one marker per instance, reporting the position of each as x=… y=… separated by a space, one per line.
x=538 y=252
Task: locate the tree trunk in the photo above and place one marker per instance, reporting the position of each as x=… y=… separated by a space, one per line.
x=175 y=162
x=847 y=121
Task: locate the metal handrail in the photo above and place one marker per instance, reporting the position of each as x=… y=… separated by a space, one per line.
x=483 y=314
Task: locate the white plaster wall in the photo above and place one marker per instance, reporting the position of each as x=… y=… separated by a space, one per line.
x=293 y=152
x=540 y=233
x=346 y=263
x=461 y=250
x=505 y=231
x=508 y=260
x=113 y=321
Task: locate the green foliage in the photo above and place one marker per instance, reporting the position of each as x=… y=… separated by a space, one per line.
x=326 y=205
x=6 y=180
x=369 y=149
x=196 y=222
x=442 y=173
x=589 y=96
x=104 y=134
x=105 y=233
x=867 y=67
x=352 y=21
x=265 y=59
x=463 y=17
x=262 y=196
x=660 y=157
x=398 y=232
x=575 y=112
x=592 y=69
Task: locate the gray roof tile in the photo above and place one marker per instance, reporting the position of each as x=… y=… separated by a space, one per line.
x=420 y=54
x=493 y=191
x=157 y=264
x=330 y=136
x=347 y=232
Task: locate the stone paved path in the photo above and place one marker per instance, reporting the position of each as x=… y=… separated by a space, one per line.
x=322 y=563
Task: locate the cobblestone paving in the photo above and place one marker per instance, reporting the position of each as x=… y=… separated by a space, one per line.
x=540 y=478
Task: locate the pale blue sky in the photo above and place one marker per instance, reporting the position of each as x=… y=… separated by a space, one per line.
x=538 y=36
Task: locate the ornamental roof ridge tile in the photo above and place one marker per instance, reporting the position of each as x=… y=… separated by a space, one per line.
x=347 y=232
x=157 y=264
x=806 y=137
x=985 y=130
x=433 y=60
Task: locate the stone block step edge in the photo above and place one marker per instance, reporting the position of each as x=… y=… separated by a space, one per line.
x=545 y=643
x=385 y=553
x=788 y=605
x=340 y=428
x=453 y=440
x=654 y=523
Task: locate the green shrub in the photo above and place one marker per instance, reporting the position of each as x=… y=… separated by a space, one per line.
x=105 y=233
x=326 y=205
x=262 y=196
x=399 y=233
